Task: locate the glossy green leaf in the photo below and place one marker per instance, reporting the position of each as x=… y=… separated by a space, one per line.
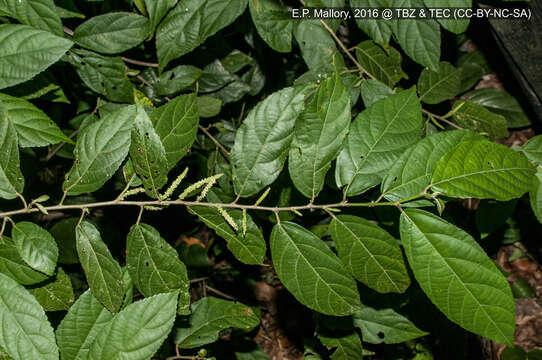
x=378 y=29
x=208 y=106
x=103 y=273
x=484 y=170
x=535 y=195
x=177 y=124
x=456 y=26
x=11 y=178
x=100 y=149
x=40 y=14
x=179 y=78
x=33 y=126
x=378 y=136
x=473 y=116
x=136 y=332
x=316 y=44
x=370 y=254
x=449 y=264
x=385 y=326
x=319 y=135
x=263 y=140
x=26 y=51
x=148 y=155
x=419 y=38
x=347 y=346
x=532 y=149
x=156 y=10
x=435 y=87
x=25 y=332
x=36 y=246
x=249 y=248
x=211 y=315
x=153 y=264
x=312 y=272
x=12 y=265
x=190 y=23
x=64 y=233
x=273 y=23
x=56 y=294
x=384 y=67
x=112 y=33
x=411 y=173
x=84 y=321
x=373 y=90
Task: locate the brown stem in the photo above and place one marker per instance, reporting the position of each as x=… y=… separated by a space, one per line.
x=53 y=152
x=218 y=144
x=139 y=62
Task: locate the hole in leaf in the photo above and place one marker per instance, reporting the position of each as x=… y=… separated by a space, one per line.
x=147 y=265
x=380 y=335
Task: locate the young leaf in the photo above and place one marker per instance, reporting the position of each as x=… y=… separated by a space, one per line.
x=156 y=10
x=26 y=52
x=112 y=33
x=435 y=87
x=103 y=273
x=348 y=346
x=153 y=264
x=25 y=332
x=319 y=135
x=36 y=246
x=136 y=332
x=457 y=26
x=370 y=254
x=312 y=272
x=483 y=170
x=532 y=149
x=411 y=173
x=84 y=321
x=210 y=316
x=11 y=178
x=535 y=195
x=475 y=117
x=384 y=67
x=40 y=14
x=34 y=127
x=12 y=265
x=273 y=23
x=385 y=326
x=373 y=90
x=378 y=29
x=177 y=125
x=101 y=147
x=262 y=142
x=378 y=136
x=316 y=44
x=56 y=294
x=190 y=23
x=458 y=276
x=148 y=155
x=249 y=248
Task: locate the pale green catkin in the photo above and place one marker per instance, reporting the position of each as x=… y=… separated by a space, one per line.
x=133 y=192
x=244 y=222
x=174 y=185
x=198 y=185
x=262 y=197
x=228 y=218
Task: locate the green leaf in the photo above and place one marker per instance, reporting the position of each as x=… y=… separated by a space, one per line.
x=25 y=52
x=12 y=265
x=64 y=233
x=40 y=14
x=179 y=78
x=210 y=316
x=104 y=75
x=500 y=102
x=419 y=38
x=370 y=254
x=263 y=140
x=411 y=174
x=190 y=23
x=385 y=326
x=483 y=170
x=435 y=87
x=312 y=272
x=316 y=44
x=112 y=33
x=384 y=67
x=34 y=127
x=156 y=10
x=319 y=135
x=177 y=125
x=208 y=106
x=250 y=248
x=535 y=195
x=25 y=332
x=532 y=149
x=84 y=321
x=378 y=136
x=348 y=346
x=103 y=273
x=153 y=264
x=56 y=294
x=273 y=23
x=11 y=178
x=457 y=26
x=36 y=246
x=458 y=276
x=136 y=332
x=373 y=90
x=148 y=155
x=475 y=117
x=100 y=149
x=378 y=29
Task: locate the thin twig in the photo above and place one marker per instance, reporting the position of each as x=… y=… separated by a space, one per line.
x=196 y=280
x=141 y=208
x=139 y=62
x=219 y=293
x=68 y=31
x=440 y=118
x=145 y=82
x=219 y=145
x=59 y=146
